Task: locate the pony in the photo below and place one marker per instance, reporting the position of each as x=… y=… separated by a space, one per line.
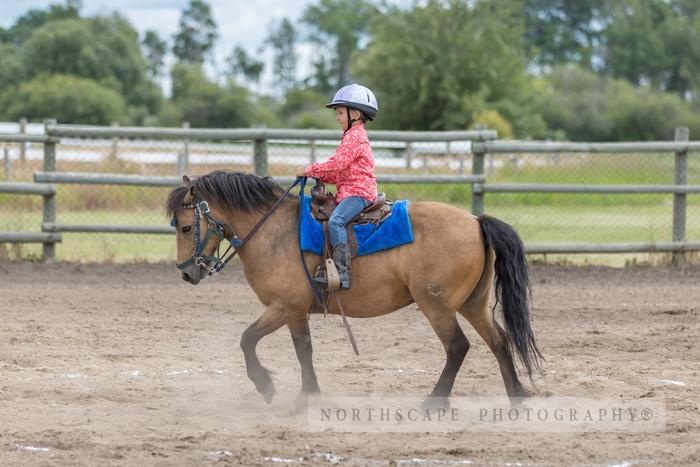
x=451 y=267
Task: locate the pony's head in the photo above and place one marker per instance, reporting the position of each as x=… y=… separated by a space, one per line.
x=202 y=210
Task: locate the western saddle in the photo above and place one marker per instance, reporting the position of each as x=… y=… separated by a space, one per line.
x=323 y=203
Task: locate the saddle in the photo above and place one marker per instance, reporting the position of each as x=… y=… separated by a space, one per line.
x=323 y=203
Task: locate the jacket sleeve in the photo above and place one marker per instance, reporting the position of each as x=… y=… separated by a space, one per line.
x=327 y=171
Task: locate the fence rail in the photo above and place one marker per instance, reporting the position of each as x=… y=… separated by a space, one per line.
x=598 y=189
x=252 y=134
x=47 y=191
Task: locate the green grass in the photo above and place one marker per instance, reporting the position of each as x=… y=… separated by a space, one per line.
x=538 y=217
x=95 y=247
x=582 y=223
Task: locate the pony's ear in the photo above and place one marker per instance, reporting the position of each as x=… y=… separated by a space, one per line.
x=187 y=183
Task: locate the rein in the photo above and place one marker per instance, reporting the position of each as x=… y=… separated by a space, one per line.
x=217 y=228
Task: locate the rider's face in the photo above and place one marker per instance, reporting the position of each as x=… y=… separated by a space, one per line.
x=341 y=116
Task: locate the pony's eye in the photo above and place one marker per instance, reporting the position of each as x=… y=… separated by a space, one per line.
x=186 y=228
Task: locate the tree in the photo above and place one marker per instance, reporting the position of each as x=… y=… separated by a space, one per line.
x=11 y=69
x=68 y=98
x=590 y=107
x=203 y=103
x=282 y=38
x=655 y=42
x=241 y=64
x=197 y=34
x=154 y=49
x=305 y=108
x=104 y=49
x=563 y=31
x=342 y=25
x=438 y=65
x=26 y=24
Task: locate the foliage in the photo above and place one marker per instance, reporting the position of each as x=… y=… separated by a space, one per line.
x=154 y=49
x=241 y=64
x=11 y=69
x=655 y=42
x=437 y=66
x=197 y=34
x=26 y=24
x=76 y=100
x=589 y=107
x=104 y=49
x=493 y=120
x=203 y=103
x=305 y=108
x=434 y=64
x=342 y=24
x=562 y=31
x=282 y=38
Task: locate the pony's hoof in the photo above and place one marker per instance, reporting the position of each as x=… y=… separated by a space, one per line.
x=435 y=403
x=523 y=393
x=301 y=402
x=268 y=393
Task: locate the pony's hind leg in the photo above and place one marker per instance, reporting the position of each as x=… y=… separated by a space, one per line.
x=271 y=320
x=444 y=322
x=479 y=315
x=301 y=336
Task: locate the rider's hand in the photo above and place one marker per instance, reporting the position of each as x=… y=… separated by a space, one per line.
x=300 y=171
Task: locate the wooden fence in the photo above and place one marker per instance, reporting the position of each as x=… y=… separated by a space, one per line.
x=48 y=192
x=681 y=147
x=482 y=144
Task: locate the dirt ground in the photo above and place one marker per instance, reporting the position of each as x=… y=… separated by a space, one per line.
x=127 y=364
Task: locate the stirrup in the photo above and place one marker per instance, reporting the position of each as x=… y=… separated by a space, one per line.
x=320 y=278
x=332 y=275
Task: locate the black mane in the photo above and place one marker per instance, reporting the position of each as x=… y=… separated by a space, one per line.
x=230 y=191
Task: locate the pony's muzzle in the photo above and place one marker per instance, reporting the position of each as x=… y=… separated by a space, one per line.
x=193 y=274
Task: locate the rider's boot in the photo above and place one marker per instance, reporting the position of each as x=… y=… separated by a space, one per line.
x=341 y=258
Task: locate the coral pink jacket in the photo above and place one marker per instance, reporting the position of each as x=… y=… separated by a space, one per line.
x=351 y=168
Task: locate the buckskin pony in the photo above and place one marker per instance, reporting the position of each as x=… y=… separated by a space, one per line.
x=451 y=267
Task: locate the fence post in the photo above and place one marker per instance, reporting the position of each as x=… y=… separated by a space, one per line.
x=260 y=156
x=680 y=199
x=7 y=164
x=312 y=145
x=408 y=151
x=49 y=211
x=23 y=145
x=115 y=143
x=478 y=156
x=183 y=158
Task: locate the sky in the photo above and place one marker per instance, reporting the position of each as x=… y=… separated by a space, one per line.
x=244 y=23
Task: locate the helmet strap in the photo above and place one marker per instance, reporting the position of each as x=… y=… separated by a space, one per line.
x=351 y=121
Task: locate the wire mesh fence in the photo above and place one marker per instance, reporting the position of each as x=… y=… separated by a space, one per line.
x=539 y=217
x=591 y=217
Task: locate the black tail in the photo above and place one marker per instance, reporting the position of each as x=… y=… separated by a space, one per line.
x=513 y=289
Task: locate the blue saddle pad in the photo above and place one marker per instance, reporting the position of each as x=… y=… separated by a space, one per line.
x=371 y=238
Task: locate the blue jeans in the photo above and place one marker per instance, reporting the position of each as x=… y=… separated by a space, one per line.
x=346 y=211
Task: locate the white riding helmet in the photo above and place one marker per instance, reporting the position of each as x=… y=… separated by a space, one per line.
x=358 y=97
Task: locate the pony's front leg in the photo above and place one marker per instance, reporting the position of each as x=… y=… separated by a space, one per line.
x=301 y=336
x=271 y=320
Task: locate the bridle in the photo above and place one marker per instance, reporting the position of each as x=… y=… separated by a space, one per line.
x=216 y=227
